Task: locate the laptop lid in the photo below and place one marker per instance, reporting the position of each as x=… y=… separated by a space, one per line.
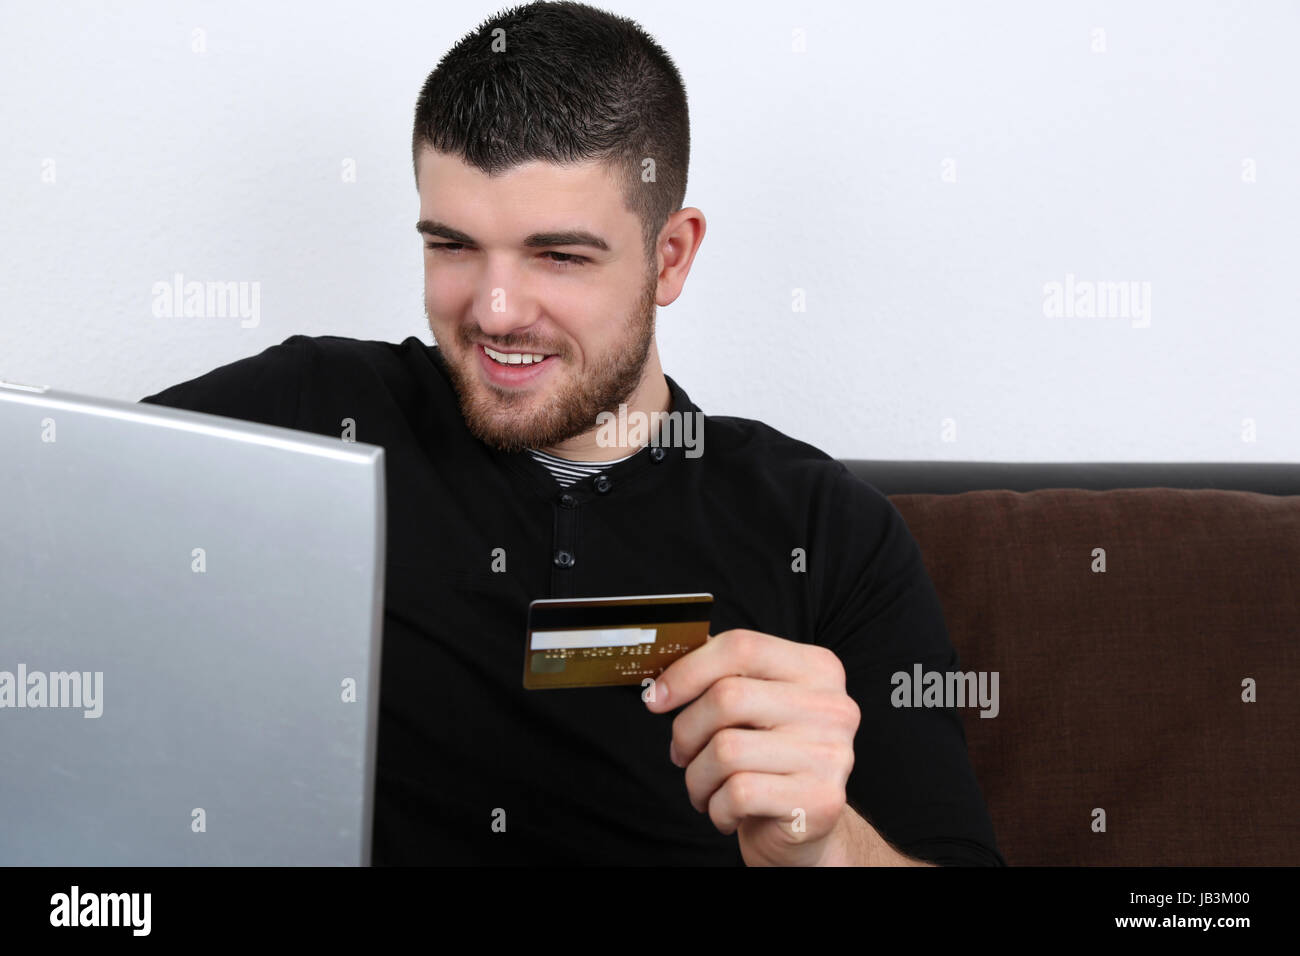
x=190 y=623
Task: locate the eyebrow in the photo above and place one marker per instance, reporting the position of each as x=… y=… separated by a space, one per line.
x=538 y=240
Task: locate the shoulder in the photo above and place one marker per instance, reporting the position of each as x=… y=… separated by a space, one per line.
x=756 y=451
x=794 y=487
x=340 y=352
x=265 y=387
x=281 y=383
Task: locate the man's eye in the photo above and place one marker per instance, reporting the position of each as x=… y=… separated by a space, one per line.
x=565 y=260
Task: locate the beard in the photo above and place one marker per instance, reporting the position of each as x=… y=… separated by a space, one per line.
x=514 y=421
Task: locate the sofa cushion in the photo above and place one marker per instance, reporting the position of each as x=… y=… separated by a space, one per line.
x=1122 y=689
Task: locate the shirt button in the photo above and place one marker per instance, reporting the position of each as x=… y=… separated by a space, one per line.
x=567 y=500
x=657 y=453
x=603 y=484
x=563 y=559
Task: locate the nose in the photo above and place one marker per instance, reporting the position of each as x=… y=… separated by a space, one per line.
x=502 y=310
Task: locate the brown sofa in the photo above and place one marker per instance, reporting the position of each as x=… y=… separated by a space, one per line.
x=1123 y=690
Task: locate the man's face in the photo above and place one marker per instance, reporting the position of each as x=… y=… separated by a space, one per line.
x=589 y=310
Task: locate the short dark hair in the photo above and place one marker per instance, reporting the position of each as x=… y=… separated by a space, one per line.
x=573 y=83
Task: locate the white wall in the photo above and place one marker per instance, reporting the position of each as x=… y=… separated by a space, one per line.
x=821 y=170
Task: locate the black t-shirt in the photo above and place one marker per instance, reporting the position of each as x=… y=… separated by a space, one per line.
x=583 y=775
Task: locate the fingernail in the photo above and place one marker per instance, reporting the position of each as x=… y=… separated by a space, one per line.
x=672 y=754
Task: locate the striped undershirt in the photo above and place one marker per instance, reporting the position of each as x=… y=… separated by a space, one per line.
x=566 y=472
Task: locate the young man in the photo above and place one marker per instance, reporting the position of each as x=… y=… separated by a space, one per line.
x=551 y=147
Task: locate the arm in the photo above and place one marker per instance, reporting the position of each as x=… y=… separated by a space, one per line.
x=780 y=739
x=855 y=842
x=912 y=781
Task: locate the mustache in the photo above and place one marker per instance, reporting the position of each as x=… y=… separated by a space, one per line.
x=514 y=346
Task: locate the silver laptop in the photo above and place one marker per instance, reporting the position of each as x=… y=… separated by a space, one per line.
x=190 y=620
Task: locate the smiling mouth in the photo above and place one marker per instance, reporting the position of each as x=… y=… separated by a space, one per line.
x=515 y=358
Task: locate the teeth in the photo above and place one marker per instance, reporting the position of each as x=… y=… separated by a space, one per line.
x=513 y=358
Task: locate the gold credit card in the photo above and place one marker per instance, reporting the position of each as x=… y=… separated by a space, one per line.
x=607 y=641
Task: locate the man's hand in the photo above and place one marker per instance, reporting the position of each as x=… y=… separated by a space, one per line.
x=768 y=745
